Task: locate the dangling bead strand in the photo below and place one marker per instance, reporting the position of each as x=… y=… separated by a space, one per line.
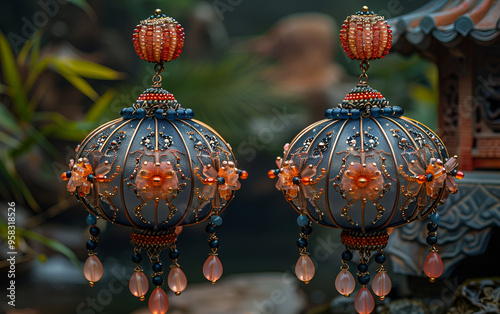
x=381 y=285
x=138 y=284
x=158 y=301
x=364 y=302
x=177 y=281
x=212 y=268
x=433 y=265
x=92 y=269
x=304 y=269
x=345 y=283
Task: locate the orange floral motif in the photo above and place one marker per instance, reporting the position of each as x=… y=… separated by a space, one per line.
x=427 y=179
x=226 y=179
x=363 y=182
x=292 y=180
x=79 y=176
x=451 y=185
x=157 y=181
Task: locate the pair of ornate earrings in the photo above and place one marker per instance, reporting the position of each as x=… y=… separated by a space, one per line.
x=364 y=169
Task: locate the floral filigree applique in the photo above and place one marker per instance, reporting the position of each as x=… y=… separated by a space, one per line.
x=157 y=181
x=78 y=177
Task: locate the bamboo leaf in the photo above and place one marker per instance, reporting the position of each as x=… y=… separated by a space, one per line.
x=7 y=120
x=13 y=79
x=99 y=107
x=30 y=43
x=53 y=244
x=90 y=69
x=35 y=72
x=18 y=186
x=80 y=84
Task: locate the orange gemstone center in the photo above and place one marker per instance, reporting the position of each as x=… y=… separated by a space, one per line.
x=362 y=181
x=156 y=180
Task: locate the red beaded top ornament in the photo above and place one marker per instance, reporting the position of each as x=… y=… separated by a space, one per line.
x=159 y=38
x=366 y=36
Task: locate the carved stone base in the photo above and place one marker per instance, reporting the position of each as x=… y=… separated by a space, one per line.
x=467 y=219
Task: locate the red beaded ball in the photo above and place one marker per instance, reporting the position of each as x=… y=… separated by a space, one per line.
x=366 y=36
x=159 y=38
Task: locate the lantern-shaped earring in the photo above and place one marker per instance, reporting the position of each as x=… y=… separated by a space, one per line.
x=156 y=169
x=365 y=169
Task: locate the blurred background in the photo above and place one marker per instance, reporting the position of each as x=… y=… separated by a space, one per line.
x=69 y=66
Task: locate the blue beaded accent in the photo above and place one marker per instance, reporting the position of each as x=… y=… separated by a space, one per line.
x=129 y=113
x=171 y=114
x=398 y=111
x=140 y=113
x=181 y=113
x=216 y=220
x=122 y=112
x=387 y=111
x=376 y=112
x=435 y=217
x=302 y=220
x=189 y=113
x=344 y=114
x=336 y=113
x=355 y=114
x=91 y=220
x=328 y=113
x=159 y=113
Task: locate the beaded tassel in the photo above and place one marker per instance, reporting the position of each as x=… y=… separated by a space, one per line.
x=158 y=301
x=138 y=284
x=177 y=281
x=364 y=302
x=92 y=269
x=345 y=283
x=304 y=269
x=212 y=268
x=381 y=285
x=433 y=265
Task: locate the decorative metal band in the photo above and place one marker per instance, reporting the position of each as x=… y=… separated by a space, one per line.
x=364 y=241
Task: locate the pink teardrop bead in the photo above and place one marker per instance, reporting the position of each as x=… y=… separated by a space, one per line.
x=345 y=283
x=177 y=281
x=381 y=285
x=364 y=302
x=138 y=284
x=158 y=301
x=304 y=269
x=212 y=269
x=433 y=266
x=93 y=269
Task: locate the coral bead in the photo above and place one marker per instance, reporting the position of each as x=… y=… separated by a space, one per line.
x=158 y=301
x=345 y=283
x=433 y=266
x=138 y=284
x=212 y=269
x=304 y=269
x=177 y=281
x=271 y=174
x=381 y=285
x=364 y=302
x=93 y=269
x=243 y=175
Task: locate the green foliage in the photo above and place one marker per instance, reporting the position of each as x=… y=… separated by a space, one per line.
x=25 y=129
x=23 y=234
x=23 y=126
